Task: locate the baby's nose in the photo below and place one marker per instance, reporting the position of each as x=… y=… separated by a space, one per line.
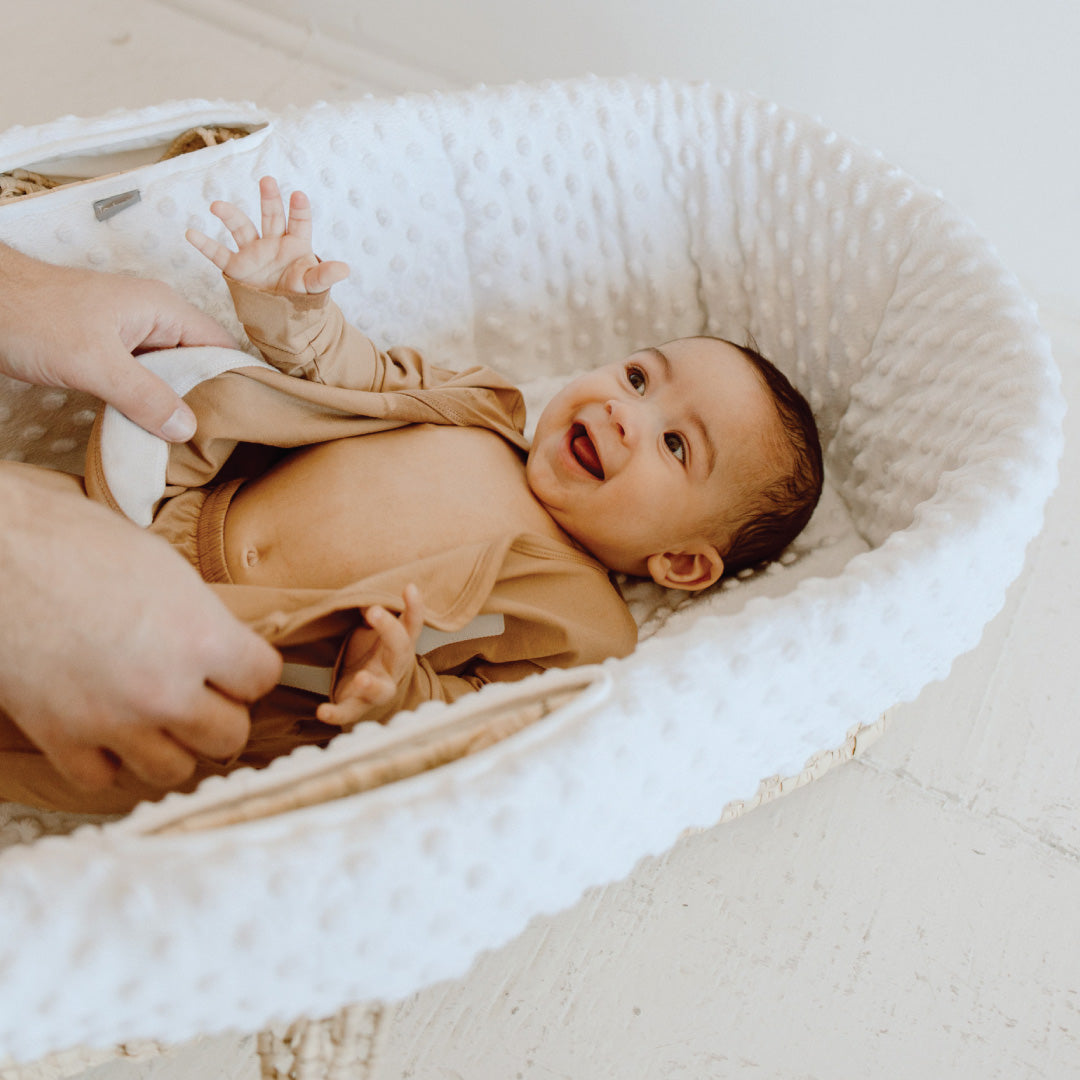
x=621 y=419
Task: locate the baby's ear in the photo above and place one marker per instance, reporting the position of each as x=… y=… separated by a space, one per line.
x=697 y=566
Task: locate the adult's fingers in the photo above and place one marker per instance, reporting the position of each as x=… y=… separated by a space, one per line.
x=154 y=756
x=115 y=376
x=179 y=323
x=217 y=726
x=88 y=767
x=244 y=666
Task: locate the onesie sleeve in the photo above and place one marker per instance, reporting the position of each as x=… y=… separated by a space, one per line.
x=307 y=336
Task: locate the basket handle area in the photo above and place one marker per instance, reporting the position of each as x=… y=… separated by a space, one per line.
x=412 y=744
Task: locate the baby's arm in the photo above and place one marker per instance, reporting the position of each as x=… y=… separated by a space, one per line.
x=281 y=292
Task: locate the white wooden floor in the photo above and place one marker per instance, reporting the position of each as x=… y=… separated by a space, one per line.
x=912 y=914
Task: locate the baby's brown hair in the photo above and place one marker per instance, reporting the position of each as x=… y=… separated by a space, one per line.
x=774 y=514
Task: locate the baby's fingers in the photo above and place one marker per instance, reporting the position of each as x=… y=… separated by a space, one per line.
x=412 y=618
x=393 y=636
x=323 y=275
x=236 y=221
x=214 y=250
x=356 y=697
x=398 y=636
x=342 y=713
x=273 y=213
x=300 y=217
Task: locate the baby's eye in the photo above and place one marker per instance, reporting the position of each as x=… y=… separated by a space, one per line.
x=676 y=445
x=636 y=378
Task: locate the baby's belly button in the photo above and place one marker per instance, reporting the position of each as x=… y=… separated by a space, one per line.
x=242 y=560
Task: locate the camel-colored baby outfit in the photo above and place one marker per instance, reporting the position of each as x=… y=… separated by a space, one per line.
x=499 y=610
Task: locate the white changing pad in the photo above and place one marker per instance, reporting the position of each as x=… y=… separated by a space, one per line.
x=543 y=230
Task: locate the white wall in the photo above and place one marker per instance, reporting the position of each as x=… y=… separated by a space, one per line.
x=976 y=97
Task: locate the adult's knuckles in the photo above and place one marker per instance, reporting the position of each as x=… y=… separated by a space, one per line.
x=217 y=732
x=239 y=661
x=88 y=770
x=165 y=771
x=161 y=703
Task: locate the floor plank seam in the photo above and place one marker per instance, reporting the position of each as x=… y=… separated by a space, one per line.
x=991 y=816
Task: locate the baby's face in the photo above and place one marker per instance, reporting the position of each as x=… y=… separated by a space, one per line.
x=634 y=458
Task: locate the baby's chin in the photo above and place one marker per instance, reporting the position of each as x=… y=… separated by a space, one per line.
x=614 y=557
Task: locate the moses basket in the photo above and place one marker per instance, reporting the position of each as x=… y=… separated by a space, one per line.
x=541 y=230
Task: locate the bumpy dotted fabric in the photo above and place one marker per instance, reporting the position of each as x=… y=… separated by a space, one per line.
x=544 y=229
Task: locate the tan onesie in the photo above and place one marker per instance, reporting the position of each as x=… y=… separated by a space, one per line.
x=549 y=603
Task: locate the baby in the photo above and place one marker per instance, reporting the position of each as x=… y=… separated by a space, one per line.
x=341 y=512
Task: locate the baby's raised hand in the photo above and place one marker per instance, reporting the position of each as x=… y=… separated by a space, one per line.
x=377 y=658
x=281 y=260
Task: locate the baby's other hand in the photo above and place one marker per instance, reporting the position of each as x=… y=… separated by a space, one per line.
x=377 y=659
x=281 y=260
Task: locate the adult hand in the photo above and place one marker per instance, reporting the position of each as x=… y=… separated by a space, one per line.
x=112 y=650
x=79 y=328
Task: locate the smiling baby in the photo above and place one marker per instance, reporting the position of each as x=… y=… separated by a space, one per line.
x=384 y=521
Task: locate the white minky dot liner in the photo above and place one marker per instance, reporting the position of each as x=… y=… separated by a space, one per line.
x=542 y=230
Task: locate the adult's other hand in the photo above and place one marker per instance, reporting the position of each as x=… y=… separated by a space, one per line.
x=112 y=650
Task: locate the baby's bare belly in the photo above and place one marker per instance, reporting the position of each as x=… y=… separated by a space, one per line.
x=337 y=512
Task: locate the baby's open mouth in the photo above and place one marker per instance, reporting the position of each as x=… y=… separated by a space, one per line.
x=581 y=446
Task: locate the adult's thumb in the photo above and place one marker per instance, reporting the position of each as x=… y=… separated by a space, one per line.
x=141 y=396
